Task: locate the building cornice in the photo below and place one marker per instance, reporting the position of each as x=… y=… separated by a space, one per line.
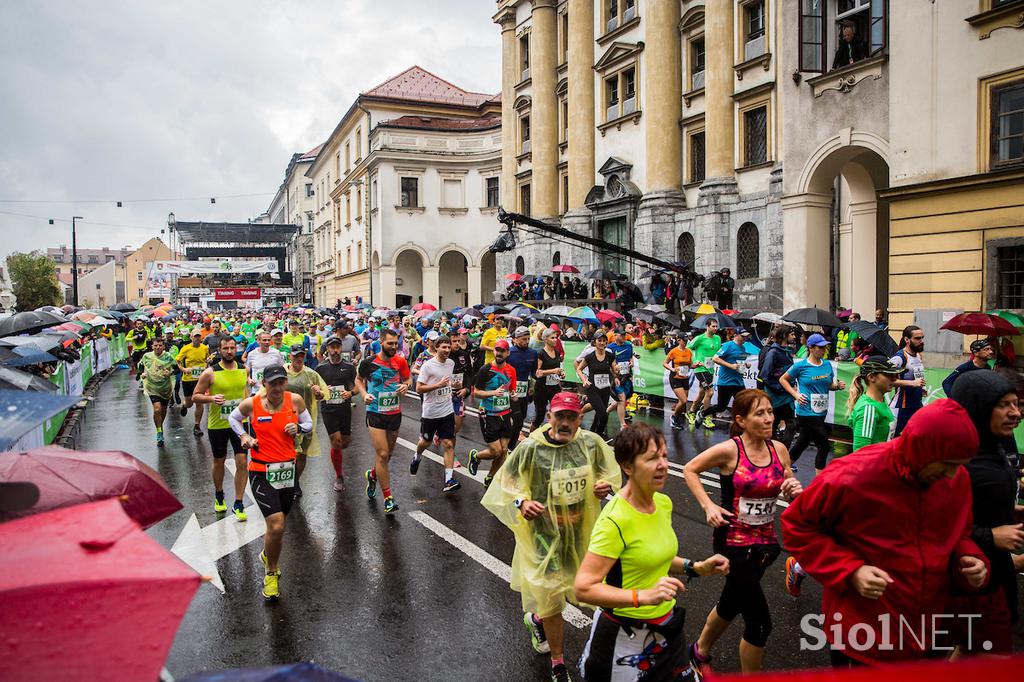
x=965 y=183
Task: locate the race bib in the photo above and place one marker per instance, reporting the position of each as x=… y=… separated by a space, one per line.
x=682 y=372
x=756 y=511
x=281 y=475
x=501 y=403
x=227 y=407
x=257 y=376
x=623 y=367
x=444 y=391
x=819 y=403
x=569 y=486
x=709 y=363
x=456 y=382
x=602 y=381
x=195 y=372
x=918 y=373
x=521 y=387
x=387 y=401
x=346 y=357
x=552 y=379
x=334 y=395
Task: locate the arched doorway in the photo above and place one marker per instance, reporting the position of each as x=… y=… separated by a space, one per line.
x=520 y=265
x=488 y=278
x=375 y=279
x=408 y=278
x=454 y=280
x=556 y=258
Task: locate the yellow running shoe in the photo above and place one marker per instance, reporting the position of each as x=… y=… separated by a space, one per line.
x=219 y=505
x=270 y=590
x=239 y=511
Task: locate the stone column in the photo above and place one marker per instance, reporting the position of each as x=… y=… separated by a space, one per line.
x=432 y=285
x=475 y=275
x=805 y=246
x=544 y=111
x=388 y=290
x=662 y=96
x=718 y=87
x=509 y=125
x=581 y=101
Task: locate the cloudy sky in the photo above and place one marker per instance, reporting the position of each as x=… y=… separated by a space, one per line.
x=126 y=100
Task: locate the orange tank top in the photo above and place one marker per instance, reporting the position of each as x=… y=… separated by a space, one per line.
x=268 y=428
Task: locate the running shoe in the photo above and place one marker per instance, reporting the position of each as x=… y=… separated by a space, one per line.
x=708 y=423
x=414 y=465
x=559 y=673
x=474 y=463
x=390 y=506
x=793 y=577
x=339 y=484
x=270 y=591
x=676 y=424
x=451 y=486
x=160 y=438
x=701 y=664
x=537 y=637
x=692 y=418
x=263 y=558
x=371 y=484
x=239 y=511
x=219 y=505
x=197 y=431
x=488 y=479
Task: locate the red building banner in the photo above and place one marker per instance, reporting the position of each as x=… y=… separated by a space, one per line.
x=236 y=294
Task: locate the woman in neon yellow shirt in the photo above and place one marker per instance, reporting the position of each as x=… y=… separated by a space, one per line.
x=634 y=531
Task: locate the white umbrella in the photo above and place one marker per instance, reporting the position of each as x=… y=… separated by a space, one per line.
x=768 y=317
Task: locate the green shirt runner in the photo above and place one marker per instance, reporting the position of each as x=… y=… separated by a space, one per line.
x=159 y=374
x=704 y=349
x=870 y=421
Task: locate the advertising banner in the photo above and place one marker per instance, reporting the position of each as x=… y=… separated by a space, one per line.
x=248 y=294
x=214 y=267
x=158 y=284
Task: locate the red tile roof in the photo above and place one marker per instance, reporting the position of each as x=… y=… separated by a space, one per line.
x=65 y=278
x=311 y=154
x=422 y=86
x=436 y=123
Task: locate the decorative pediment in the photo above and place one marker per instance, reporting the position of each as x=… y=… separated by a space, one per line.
x=522 y=102
x=615 y=166
x=694 y=18
x=618 y=53
x=617 y=187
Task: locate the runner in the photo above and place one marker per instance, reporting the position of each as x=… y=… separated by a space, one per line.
x=625 y=355
x=731 y=359
x=778 y=357
x=911 y=386
x=704 y=348
x=305 y=382
x=138 y=342
x=350 y=348
x=462 y=376
x=382 y=381
x=172 y=345
x=753 y=471
x=438 y=415
x=340 y=376
x=549 y=377
x=192 y=362
x=814 y=378
x=276 y=418
x=679 y=362
x=157 y=377
x=495 y=384
x=548 y=494
x=491 y=337
x=260 y=358
x=223 y=386
x=870 y=416
x=598 y=380
x=524 y=361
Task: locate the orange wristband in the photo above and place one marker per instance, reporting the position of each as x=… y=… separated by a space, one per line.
x=636 y=603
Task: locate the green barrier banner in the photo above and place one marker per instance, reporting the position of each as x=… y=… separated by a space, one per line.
x=52 y=425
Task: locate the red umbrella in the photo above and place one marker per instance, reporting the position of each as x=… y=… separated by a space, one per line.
x=982 y=324
x=88 y=596
x=608 y=316
x=514 y=277
x=424 y=306
x=565 y=268
x=69 y=477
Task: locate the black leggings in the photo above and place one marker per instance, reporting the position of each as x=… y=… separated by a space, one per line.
x=725 y=394
x=742 y=594
x=599 y=398
x=784 y=413
x=812 y=430
x=519 y=408
x=542 y=394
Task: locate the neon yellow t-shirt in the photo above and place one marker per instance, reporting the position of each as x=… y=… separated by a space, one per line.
x=489 y=337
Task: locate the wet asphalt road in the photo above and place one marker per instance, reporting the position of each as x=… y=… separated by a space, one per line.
x=384 y=598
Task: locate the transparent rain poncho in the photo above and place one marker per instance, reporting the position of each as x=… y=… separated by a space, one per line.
x=550 y=548
x=302 y=383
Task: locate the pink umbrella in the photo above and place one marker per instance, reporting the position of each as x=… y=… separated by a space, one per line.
x=88 y=596
x=424 y=306
x=84 y=315
x=69 y=477
x=565 y=268
x=608 y=316
x=514 y=277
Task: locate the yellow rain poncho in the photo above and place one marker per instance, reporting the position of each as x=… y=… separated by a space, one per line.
x=302 y=383
x=550 y=548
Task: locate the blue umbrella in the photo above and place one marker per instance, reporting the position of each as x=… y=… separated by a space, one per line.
x=22 y=411
x=28 y=355
x=295 y=672
x=494 y=309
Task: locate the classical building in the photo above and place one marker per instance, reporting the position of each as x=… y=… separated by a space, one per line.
x=294 y=203
x=137 y=267
x=88 y=259
x=405 y=194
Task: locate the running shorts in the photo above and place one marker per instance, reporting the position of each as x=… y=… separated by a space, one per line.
x=387 y=422
x=270 y=499
x=188 y=387
x=704 y=378
x=495 y=427
x=336 y=421
x=219 y=439
x=442 y=427
x=459 y=404
x=159 y=399
x=679 y=382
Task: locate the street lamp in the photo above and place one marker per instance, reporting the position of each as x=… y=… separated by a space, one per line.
x=74 y=261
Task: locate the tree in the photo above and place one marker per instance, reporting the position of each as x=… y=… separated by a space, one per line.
x=34 y=280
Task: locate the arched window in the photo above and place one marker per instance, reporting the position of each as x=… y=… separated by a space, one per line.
x=685 y=249
x=520 y=265
x=556 y=258
x=748 y=252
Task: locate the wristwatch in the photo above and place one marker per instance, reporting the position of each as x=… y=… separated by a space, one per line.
x=689 y=569
x=518 y=502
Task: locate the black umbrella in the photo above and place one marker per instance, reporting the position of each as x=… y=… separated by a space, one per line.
x=813 y=316
x=722 y=319
x=743 y=315
x=669 y=319
x=28 y=322
x=22 y=411
x=23 y=381
x=123 y=307
x=601 y=273
x=641 y=315
x=651 y=273
x=878 y=338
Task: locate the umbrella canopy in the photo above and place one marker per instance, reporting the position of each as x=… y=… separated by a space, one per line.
x=557 y=310
x=669 y=319
x=514 y=277
x=471 y=312
x=722 y=320
x=295 y=672
x=103 y=322
x=67 y=477
x=22 y=411
x=1010 y=316
x=424 y=306
x=767 y=317
x=566 y=268
x=813 y=316
x=28 y=322
x=878 y=338
x=124 y=307
x=23 y=381
x=609 y=316
x=654 y=308
x=700 y=309
x=651 y=273
x=522 y=311
x=69 y=309
x=161 y=312
x=740 y=315
x=22 y=356
x=496 y=309
x=84 y=315
x=601 y=273
x=45 y=342
x=982 y=324
x=88 y=596
x=643 y=315
x=585 y=312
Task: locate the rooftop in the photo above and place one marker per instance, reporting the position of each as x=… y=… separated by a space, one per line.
x=234 y=233
x=439 y=123
x=417 y=84
x=311 y=154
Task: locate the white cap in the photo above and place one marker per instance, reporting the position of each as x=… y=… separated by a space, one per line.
x=432 y=335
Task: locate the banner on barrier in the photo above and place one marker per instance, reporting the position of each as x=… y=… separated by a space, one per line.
x=213 y=267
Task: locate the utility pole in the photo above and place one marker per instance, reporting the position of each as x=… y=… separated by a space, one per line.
x=74 y=261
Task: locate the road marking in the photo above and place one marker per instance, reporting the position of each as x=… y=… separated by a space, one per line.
x=572 y=615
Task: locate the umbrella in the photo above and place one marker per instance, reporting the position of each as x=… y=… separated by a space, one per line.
x=654 y=308
x=123 y=307
x=294 y=672
x=609 y=315
x=522 y=311
x=514 y=277
x=23 y=381
x=496 y=309
x=22 y=356
x=740 y=315
x=557 y=310
x=88 y=596
x=67 y=477
x=982 y=324
x=878 y=338
x=700 y=309
x=84 y=315
x=643 y=315
x=424 y=306
x=722 y=320
x=104 y=322
x=1010 y=316
x=160 y=312
x=771 y=318
x=405 y=308
x=471 y=312
x=601 y=273
x=28 y=322
x=584 y=312
x=651 y=273
x=669 y=319
x=45 y=342
x=813 y=316
x=22 y=411
x=69 y=309
x=565 y=268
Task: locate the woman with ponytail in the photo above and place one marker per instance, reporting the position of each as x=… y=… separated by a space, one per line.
x=870 y=416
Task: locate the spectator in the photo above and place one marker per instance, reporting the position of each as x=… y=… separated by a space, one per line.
x=880 y=319
x=851 y=48
x=981 y=352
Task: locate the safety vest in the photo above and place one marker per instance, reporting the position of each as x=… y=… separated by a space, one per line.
x=842 y=339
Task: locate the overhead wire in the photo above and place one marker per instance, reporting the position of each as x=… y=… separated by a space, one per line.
x=208 y=197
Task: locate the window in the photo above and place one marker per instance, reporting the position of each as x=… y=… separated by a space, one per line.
x=359 y=144
x=753 y=28
x=359 y=203
x=1010 y=273
x=520 y=265
x=620 y=94
x=410 y=192
x=451 y=193
x=564 y=110
x=697 y=63
x=611 y=88
x=309 y=224
x=755 y=136
x=613 y=231
x=138 y=276
x=140 y=293
x=697 y=153
x=348 y=210
x=748 y=252
x=359 y=255
x=524 y=134
x=1008 y=125
x=492 y=192
x=556 y=258
x=348 y=259
x=868 y=20
x=373 y=195
x=564 y=30
x=524 y=56
x=612 y=22
x=565 y=193
x=524 y=199
x=629 y=91
x=686 y=249
x=812 y=35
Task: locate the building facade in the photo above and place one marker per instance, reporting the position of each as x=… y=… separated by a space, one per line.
x=137 y=267
x=88 y=259
x=103 y=287
x=294 y=203
x=406 y=188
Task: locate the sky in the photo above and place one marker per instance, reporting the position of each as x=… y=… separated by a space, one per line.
x=141 y=102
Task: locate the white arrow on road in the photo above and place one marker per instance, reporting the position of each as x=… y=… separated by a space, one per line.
x=200 y=547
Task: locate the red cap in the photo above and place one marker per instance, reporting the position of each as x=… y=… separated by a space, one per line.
x=555 y=327
x=501 y=343
x=566 y=401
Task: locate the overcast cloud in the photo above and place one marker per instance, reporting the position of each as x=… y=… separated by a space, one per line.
x=128 y=99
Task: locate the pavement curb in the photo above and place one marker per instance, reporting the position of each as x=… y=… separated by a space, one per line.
x=71 y=430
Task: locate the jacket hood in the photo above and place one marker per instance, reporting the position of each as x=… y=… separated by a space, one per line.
x=978 y=392
x=941 y=430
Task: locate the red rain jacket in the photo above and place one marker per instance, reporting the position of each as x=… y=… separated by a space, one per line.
x=868 y=508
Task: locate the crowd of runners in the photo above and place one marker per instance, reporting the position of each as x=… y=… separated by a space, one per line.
x=924 y=518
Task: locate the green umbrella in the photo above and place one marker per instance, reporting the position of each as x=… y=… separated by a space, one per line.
x=1011 y=317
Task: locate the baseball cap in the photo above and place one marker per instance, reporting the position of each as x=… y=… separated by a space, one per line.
x=742 y=332
x=566 y=401
x=333 y=339
x=432 y=336
x=276 y=331
x=501 y=343
x=274 y=372
x=297 y=350
x=521 y=331
x=196 y=332
x=817 y=340
x=980 y=345
x=879 y=364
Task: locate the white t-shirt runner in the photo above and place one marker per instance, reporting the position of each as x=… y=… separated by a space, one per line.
x=257 y=361
x=437 y=404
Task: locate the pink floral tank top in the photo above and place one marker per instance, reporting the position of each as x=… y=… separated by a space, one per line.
x=749 y=492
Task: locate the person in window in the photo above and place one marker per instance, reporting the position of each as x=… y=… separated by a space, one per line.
x=851 y=48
